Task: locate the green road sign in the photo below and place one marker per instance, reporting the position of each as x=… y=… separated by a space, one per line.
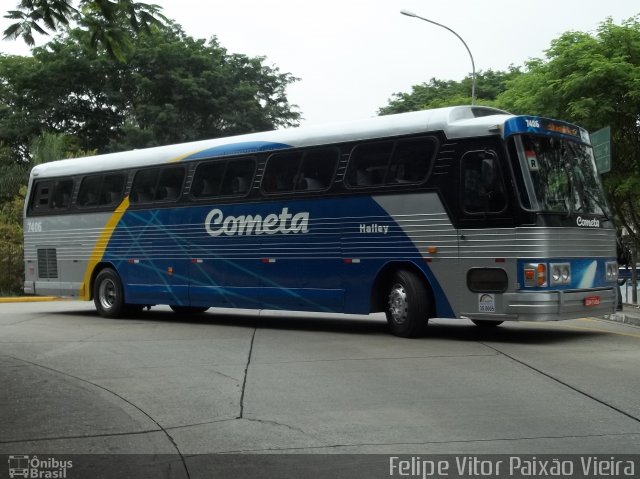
x=601 y=142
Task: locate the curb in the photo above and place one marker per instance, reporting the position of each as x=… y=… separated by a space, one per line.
x=30 y=299
x=623 y=318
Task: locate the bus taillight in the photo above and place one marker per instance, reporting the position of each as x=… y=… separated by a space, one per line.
x=535 y=275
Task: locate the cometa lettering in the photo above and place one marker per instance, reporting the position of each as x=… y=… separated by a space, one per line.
x=592 y=223
x=217 y=224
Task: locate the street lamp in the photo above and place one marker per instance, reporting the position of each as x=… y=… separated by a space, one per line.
x=473 y=65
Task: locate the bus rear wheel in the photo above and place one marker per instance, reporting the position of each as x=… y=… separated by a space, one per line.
x=108 y=295
x=408 y=304
x=189 y=309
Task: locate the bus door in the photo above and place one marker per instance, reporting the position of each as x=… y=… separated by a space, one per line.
x=486 y=234
x=301 y=263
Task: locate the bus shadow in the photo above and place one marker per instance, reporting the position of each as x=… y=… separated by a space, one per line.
x=518 y=333
x=458 y=330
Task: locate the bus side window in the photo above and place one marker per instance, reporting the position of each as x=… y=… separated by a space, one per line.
x=368 y=163
x=411 y=161
x=239 y=176
x=62 y=194
x=281 y=172
x=483 y=188
x=169 y=187
x=144 y=186
x=317 y=170
x=89 y=191
x=41 y=196
x=208 y=179
x=112 y=188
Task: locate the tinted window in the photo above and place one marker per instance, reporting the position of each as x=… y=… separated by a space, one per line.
x=310 y=170
x=483 y=188
x=41 y=195
x=208 y=179
x=101 y=190
x=238 y=177
x=169 y=186
x=223 y=178
x=112 y=189
x=144 y=186
x=390 y=162
x=62 y=192
x=157 y=184
x=280 y=172
x=368 y=164
x=318 y=168
x=89 y=193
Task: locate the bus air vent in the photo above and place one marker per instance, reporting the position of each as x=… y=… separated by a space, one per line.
x=47 y=263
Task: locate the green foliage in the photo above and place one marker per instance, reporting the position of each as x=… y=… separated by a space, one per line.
x=52 y=146
x=439 y=93
x=172 y=89
x=12 y=174
x=110 y=23
x=11 y=252
x=593 y=80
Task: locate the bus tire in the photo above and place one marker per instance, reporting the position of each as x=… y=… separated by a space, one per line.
x=189 y=309
x=486 y=323
x=408 y=304
x=108 y=295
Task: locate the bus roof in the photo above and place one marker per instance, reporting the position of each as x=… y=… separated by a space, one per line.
x=456 y=122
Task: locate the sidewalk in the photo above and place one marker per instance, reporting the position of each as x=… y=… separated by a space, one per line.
x=630 y=314
x=29 y=299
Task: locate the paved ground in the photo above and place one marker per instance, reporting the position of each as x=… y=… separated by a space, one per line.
x=72 y=382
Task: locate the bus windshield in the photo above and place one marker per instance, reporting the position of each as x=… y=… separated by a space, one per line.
x=560 y=176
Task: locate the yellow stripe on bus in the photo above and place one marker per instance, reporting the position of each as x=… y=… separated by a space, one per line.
x=100 y=247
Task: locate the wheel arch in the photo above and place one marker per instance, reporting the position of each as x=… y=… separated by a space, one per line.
x=384 y=278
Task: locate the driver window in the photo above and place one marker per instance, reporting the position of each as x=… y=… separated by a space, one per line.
x=483 y=188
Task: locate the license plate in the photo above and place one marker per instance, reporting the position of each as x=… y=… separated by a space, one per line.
x=592 y=301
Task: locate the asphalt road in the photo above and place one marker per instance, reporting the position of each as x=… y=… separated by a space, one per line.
x=72 y=382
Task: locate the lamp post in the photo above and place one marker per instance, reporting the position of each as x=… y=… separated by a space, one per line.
x=473 y=65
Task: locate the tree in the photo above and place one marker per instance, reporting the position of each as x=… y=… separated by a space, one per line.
x=172 y=89
x=47 y=147
x=440 y=93
x=593 y=80
x=180 y=89
x=109 y=22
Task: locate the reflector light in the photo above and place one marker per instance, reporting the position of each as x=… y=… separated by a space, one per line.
x=542 y=274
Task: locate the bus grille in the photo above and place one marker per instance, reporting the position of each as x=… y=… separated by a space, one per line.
x=47 y=263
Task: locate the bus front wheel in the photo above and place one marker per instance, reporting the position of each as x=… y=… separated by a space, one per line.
x=108 y=295
x=408 y=304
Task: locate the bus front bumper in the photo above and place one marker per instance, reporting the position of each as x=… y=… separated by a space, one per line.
x=551 y=305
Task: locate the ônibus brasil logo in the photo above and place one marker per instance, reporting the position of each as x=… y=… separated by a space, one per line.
x=217 y=224
x=38 y=468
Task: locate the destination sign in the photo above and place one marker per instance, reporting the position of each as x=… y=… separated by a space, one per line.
x=537 y=125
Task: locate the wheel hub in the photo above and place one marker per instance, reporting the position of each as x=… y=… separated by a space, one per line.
x=398 y=306
x=107 y=293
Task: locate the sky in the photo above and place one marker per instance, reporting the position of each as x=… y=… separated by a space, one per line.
x=352 y=55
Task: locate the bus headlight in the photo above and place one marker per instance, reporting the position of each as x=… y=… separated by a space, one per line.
x=560 y=273
x=611 y=271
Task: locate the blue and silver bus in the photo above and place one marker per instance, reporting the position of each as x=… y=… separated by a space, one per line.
x=462 y=212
